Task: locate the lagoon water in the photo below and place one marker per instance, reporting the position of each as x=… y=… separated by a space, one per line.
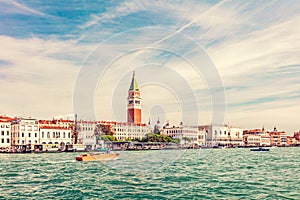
x=165 y=174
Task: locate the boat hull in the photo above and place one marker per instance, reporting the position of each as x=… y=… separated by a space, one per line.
x=260 y=149
x=94 y=157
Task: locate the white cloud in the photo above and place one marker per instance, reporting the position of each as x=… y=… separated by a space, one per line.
x=16 y=7
x=35 y=82
x=247 y=51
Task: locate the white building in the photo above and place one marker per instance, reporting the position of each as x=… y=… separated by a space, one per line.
x=222 y=135
x=127 y=131
x=265 y=139
x=24 y=132
x=252 y=139
x=186 y=134
x=256 y=137
x=5 y=133
x=55 y=135
x=86 y=133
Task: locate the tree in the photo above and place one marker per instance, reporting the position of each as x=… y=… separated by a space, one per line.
x=107 y=138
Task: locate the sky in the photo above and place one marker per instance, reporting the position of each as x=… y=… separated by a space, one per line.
x=197 y=62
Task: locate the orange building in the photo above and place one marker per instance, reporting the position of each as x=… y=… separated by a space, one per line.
x=134 y=108
x=297 y=135
x=277 y=138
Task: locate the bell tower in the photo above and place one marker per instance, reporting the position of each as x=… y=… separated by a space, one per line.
x=134 y=106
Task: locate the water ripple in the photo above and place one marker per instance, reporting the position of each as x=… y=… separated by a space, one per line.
x=220 y=174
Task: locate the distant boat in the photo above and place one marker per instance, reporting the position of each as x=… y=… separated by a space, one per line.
x=260 y=149
x=101 y=154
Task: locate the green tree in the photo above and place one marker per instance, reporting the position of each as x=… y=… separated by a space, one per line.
x=108 y=138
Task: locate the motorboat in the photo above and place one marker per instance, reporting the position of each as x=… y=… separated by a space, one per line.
x=260 y=149
x=98 y=155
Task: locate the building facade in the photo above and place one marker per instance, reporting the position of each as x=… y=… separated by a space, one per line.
x=86 y=133
x=222 y=135
x=128 y=131
x=55 y=135
x=186 y=134
x=5 y=132
x=24 y=131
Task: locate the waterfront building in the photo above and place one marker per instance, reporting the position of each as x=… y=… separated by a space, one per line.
x=297 y=135
x=186 y=134
x=277 y=138
x=134 y=106
x=129 y=131
x=256 y=137
x=265 y=139
x=252 y=139
x=61 y=136
x=222 y=135
x=24 y=132
x=5 y=132
x=291 y=141
x=86 y=133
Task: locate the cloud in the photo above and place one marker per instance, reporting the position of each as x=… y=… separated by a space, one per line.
x=165 y=8
x=16 y=7
x=36 y=83
x=254 y=45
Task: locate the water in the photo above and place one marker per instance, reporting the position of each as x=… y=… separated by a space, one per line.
x=169 y=174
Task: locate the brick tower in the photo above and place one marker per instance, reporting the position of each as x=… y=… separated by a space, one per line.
x=134 y=107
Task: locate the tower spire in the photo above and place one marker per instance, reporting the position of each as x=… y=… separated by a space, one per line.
x=133 y=85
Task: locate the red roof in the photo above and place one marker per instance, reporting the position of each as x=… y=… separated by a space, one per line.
x=46 y=122
x=4 y=118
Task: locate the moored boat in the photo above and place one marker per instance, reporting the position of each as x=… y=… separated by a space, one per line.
x=260 y=149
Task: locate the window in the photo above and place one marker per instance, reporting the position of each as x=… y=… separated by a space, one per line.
x=64 y=135
x=43 y=134
x=29 y=134
x=7 y=140
x=48 y=134
x=2 y=140
x=2 y=132
x=53 y=134
x=69 y=135
x=7 y=132
x=22 y=135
